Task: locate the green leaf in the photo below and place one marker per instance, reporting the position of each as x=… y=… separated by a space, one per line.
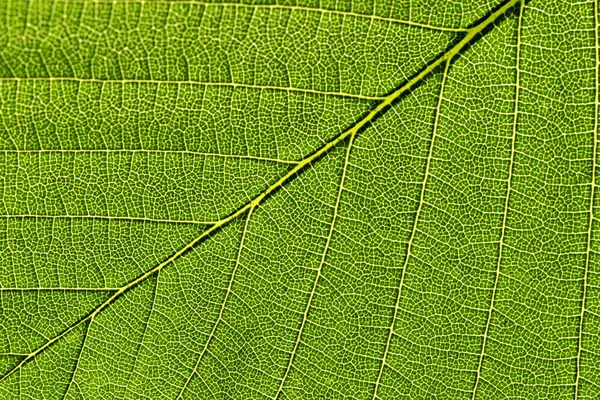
x=333 y=199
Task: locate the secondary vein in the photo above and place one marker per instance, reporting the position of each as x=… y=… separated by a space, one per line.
x=307 y=161
x=509 y=189
x=221 y=309
x=319 y=270
x=591 y=208
x=292 y=8
x=413 y=230
x=233 y=85
x=146 y=151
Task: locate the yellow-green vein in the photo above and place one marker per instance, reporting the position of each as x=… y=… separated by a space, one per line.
x=233 y=85
x=413 y=230
x=289 y=8
x=221 y=309
x=592 y=193
x=139 y=349
x=387 y=101
x=319 y=270
x=83 y=342
x=506 y=204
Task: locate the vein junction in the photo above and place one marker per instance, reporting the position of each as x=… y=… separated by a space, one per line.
x=387 y=101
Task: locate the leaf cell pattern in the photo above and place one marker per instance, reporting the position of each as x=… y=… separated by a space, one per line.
x=335 y=199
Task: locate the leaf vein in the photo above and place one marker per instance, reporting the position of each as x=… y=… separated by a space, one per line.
x=318 y=272
x=139 y=349
x=147 y=151
x=108 y=218
x=83 y=341
x=591 y=206
x=503 y=228
x=233 y=85
x=289 y=8
x=381 y=107
x=222 y=308
x=413 y=231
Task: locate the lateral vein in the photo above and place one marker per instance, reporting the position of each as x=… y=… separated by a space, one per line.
x=354 y=129
x=503 y=228
x=591 y=208
x=292 y=8
x=146 y=151
x=319 y=270
x=221 y=309
x=412 y=232
x=107 y=218
x=233 y=85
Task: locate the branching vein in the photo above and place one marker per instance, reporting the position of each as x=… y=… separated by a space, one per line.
x=147 y=151
x=319 y=270
x=413 y=231
x=213 y=331
x=106 y=218
x=446 y=57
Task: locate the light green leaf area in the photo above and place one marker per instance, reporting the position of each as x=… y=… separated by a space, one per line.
x=299 y=200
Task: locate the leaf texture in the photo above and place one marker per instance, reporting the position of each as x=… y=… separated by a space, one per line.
x=335 y=199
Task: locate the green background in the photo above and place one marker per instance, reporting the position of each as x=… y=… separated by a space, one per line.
x=448 y=251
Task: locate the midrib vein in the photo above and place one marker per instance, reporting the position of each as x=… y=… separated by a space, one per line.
x=506 y=205
x=591 y=208
x=307 y=161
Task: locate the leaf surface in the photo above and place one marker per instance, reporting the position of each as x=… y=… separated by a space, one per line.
x=342 y=199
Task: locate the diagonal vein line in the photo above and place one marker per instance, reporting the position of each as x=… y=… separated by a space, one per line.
x=139 y=349
x=506 y=202
x=319 y=270
x=413 y=230
x=470 y=35
x=221 y=310
x=290 y=8
x=592 y=193
x=85 y=336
